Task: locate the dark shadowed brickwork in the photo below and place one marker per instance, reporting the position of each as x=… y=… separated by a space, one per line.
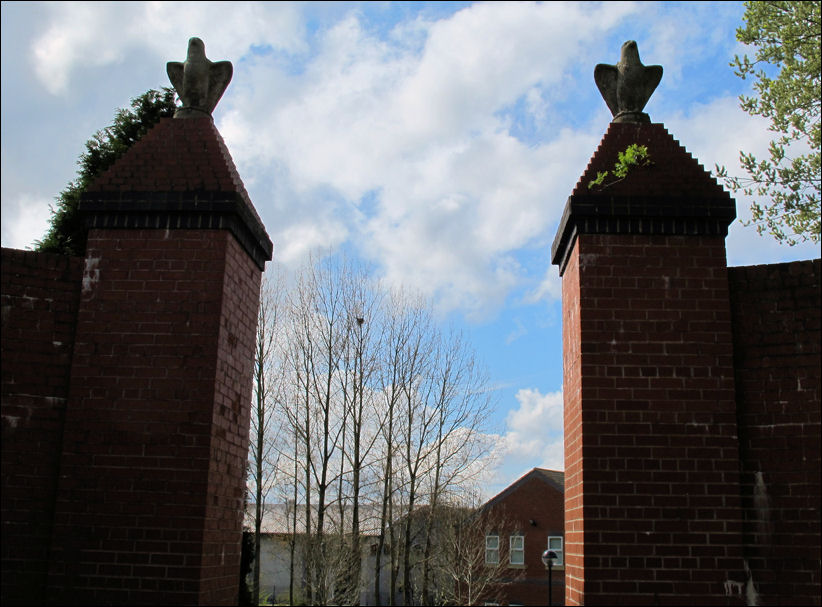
x=655 y=469
x=777 y=362
x=40 y=294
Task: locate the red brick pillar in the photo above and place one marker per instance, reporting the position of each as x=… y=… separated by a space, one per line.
x=651 y=454
x=150 y=495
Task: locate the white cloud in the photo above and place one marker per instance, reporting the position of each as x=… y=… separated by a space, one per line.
x=454 y=193
x=715 y=132
x=83 y=34
x=26 y=222
x=300 y=239
x=538 y=415
x=550 y=288
x=533 y=438
x=402 y=141
x=393 y=141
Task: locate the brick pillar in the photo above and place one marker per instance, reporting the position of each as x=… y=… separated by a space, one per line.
x=150 y=495
x=651 y=454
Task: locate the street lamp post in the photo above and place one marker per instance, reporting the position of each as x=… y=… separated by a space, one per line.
x=548 y=560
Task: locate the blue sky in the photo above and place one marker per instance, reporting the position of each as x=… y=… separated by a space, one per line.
x=437 y=141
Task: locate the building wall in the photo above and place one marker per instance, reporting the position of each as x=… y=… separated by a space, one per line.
x=776 y=312
x=144 y=473
x=534 y=510
x=40 y=294
x=275 y=570
x=275 y=567
x=691 y=394
x=625 y=355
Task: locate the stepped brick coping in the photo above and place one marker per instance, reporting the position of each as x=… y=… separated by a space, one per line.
x=180 y=175
x=673 y=195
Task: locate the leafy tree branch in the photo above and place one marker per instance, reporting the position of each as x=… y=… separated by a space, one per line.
x=787 y=37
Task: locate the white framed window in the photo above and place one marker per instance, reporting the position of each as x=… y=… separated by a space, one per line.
x=517 y=550
x=555 y=545
x=492 y=549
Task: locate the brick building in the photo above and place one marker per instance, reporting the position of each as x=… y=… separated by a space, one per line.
x=521 y=522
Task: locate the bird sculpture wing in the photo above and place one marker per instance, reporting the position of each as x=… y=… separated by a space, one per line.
x=176 y=70
x=606 y=77
x=219 y=75
x=653 y=75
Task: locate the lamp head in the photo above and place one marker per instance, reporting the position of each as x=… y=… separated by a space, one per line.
x=548 y=557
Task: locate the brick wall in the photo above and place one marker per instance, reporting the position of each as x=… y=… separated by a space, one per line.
x=40 y=295
x=572 y=421
x=777 y=339
x=655 y=414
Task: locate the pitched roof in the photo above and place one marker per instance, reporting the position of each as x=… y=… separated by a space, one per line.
x=179 y=175
x=174 y=155
x=554 y=478
x=673 y=172
x=672 y=195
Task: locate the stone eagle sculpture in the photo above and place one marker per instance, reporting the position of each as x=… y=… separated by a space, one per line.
x=627 y=86
x=199 y=82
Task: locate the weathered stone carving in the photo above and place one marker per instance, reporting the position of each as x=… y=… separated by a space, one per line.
x=199 y=82
x=627 y=86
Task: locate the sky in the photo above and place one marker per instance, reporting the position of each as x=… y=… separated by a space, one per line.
x=436 y=141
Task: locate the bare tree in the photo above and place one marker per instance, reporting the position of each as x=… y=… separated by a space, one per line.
x=311 y=353
x=404 y=335
x=378 y=408
x=265 y=424
x=418 y=423
x=470 y=570
x=445 y=409
x=361 y=363
x=328 y=352
x=461 y=409
x=396 y=335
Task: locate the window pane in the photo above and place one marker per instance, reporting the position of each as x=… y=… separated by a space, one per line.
x=555 y=544
x=492 y=549
x=517 y=553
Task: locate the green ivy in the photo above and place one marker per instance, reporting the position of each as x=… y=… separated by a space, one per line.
x=67 y=232
x=634 y=155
